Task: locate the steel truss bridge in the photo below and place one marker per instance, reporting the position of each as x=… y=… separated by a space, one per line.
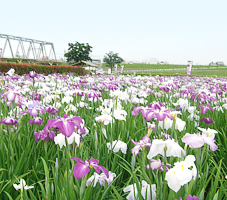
x=36 y=51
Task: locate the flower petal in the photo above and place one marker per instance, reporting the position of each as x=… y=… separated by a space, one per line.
x=80 y=170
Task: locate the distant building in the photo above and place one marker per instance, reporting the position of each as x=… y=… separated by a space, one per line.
x=85 y=64
x=212 y=64
x=97 y=62
x=153 y=61
x=220 y=63
x=128 y=62
x=162 y=63
x=149 y=61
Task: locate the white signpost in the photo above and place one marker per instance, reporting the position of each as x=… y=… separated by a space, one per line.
x=122 y=68
x=189 y=68
x=0 y=53
x=115 y=68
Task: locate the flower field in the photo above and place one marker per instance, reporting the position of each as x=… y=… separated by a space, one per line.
x=112 y=137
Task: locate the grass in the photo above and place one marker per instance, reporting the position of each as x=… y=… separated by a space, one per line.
x=195 y=72
x=219 y=71
x=157 y=66
x=211 y=72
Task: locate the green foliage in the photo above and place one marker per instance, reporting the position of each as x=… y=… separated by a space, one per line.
x=21 y=69
x=78 y=52
x=112 y=58
x=22 y=157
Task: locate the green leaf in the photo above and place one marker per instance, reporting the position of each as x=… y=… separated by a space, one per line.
x=42 y=190
x=116 y=192
x=9 y=196
x=216 y=196
x=47 y=185
x=201 y=195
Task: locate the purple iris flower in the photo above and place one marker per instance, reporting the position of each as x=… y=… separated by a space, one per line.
x=194 y=95
x=9 y=121
x=80 y=93
x=157 y=164
x=13 y=95
x=216 y=90
x=44 y=135
x=83 y=167
x=179 y=109
x=164 y=88
x=202 y=97
x=159 y=114
x=207 y=120
x=99 y=95
x=197 y=141
x=34 y=108
x=189 y=197
x=66 y=125
x=35 y=104
x=33 y=111
x=145 y=142
x=37 y=97
x=212 y=98
x=32 y=74
x=205 y=108
x=91 y=95
x=187 y=92
x=152 y=111
x=51 y=110
x=144 y=111
x=156 y=105
x=36 y=120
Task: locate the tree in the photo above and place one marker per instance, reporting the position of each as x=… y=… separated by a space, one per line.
x=112 y=58
x=78 y=52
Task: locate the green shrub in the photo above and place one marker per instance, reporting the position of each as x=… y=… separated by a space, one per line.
x=21 y=69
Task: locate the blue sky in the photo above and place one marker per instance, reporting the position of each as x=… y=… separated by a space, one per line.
x=174 y=31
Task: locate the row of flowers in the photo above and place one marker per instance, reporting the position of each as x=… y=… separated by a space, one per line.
x=178 y=108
